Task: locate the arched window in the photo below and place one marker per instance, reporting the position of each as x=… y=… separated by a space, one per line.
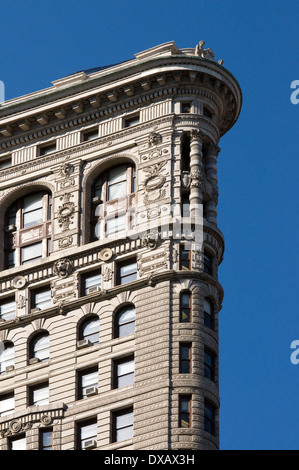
x=125 y=322
x=28 y=229
x=209 y=321
x=185 y=307
x=90 y=330
x=39 y=347
x=7 y=356
x=113 y=197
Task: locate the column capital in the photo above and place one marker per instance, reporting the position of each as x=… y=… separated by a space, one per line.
x=196 y=135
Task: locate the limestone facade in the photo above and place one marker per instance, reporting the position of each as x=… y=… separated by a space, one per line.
x=158 y=118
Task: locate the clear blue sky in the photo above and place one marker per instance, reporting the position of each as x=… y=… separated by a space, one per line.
x=258 y=170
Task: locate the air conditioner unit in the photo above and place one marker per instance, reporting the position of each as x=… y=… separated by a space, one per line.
x=90 y=444
x=9 y=368
x=93 y=289
x=83 y=343
x=91 y=391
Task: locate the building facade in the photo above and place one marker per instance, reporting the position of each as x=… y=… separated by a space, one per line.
x=109 y=297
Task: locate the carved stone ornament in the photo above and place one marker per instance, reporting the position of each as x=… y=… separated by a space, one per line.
x=14 y=427
x=63 y=268
x=197 y=179
x=105 y=254
x=154 y=139
x=185 y=179
x=196 y=134
x=19 y=282
x=65 y=212
x=154 y=180
x=67 y=169
x=65 y=242
x=46 y=420
x=151 y=241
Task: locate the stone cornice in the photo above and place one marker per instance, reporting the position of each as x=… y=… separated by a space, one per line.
x=159 y=74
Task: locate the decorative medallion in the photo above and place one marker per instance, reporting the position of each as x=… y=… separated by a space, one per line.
x=19 y=282
x=105 y=254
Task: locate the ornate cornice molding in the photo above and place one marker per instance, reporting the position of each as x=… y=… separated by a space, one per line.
x=17 y=423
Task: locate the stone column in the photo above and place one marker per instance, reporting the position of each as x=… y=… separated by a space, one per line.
x=211 y=176
x=196 y=187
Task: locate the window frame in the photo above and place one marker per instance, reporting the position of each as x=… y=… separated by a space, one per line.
x=92 y=421
x=32 y=343
x=83 y=324
x=209 y=369
x=7 y=397
x=209 y=318
x=210 y=421
x=34 y=292
x=185 y=398
x=185 y=363
x=122 y=264
x=81 y=395
x=182 y=307
x=183 y=264
x=121 y=311
x=17 y=234
x=42 y=432
x=116 y=376
x=8 y=345
x=104 y=208
x=37 y=387
x=8 y=301
x=117 y=414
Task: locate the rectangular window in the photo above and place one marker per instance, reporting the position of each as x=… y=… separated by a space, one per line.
x=90 y=134
x=124 y=372
x=116 y=225
x=5 y=163
x=122 y=427
x=127 y=272
x=208 y=264
x=87 y=380
x=48 y=148
x=39 y=395
x=17 y=443
x=87 y=434
x=185 y=307
x=131 y=120
x=117 y=184
x=7 y=404
x=209 y=370
x=185 y=205
x=46 y=439
x=33 y=210
x=92 y=282
x=186 y=107
x=41 y=298
x=185 y=259
x=185 y=358
x=8 y=309
x=209 y=418
x=31 y=252
x=185 y=411
x=208 y=314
